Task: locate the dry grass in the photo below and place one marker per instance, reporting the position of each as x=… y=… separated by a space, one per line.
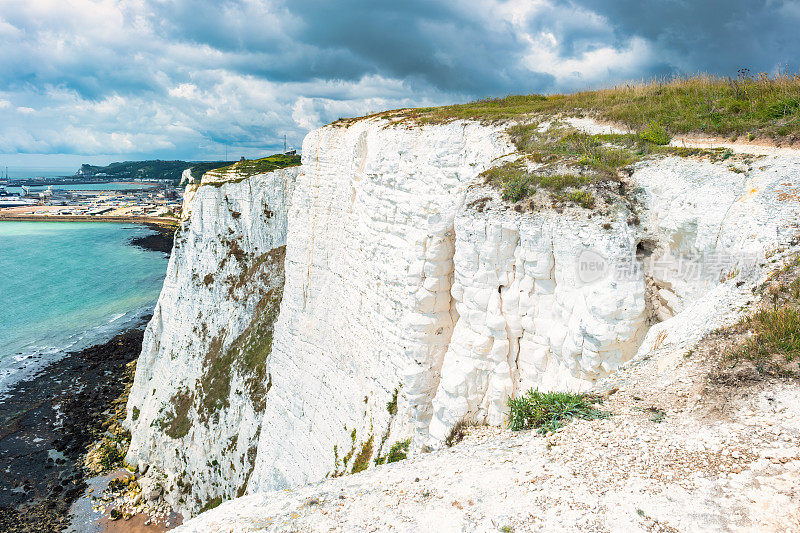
x=770 y=335
x=458 y=432
x=758 y=105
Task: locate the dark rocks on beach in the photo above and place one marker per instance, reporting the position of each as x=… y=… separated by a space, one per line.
x=46 y=425
x=160 y=241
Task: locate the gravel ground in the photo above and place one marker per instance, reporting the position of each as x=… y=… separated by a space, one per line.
x=678 y=454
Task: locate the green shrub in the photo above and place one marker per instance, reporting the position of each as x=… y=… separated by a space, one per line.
x=655 y=133
x=547 y=411
x=399 y=451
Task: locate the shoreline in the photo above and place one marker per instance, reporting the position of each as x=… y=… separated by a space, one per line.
x=50 y=417
x=47 y=423
x=157 y=221
x=30 y=363
x=160 y=241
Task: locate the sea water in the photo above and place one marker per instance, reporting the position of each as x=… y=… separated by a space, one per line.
x=67 y=285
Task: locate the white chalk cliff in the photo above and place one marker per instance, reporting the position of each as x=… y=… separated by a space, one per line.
x=407 y=278
x=196 y=406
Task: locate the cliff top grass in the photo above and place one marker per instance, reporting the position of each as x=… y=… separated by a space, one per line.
x=758 y=105
x=251 y=167
x=570 y=167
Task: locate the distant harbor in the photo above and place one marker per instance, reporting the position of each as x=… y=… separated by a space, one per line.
x=117 y=201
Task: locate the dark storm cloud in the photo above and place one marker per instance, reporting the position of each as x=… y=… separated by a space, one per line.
x=450 y=48
x=184 y=78
x=434 y=43
x=719 y=36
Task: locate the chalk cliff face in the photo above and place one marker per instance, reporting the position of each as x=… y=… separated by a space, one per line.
x=415 y=297
x=196 y=406
x=367 y=307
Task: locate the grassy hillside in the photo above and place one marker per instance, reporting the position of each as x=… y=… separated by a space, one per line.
x=566 y=167
x=148 y=170
x=198 y=169
x=758 y=106
x=251 y=167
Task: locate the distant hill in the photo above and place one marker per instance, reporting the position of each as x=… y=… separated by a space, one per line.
x=149 y=170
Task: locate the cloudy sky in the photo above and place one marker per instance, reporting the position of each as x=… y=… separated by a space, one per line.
x=103 y=80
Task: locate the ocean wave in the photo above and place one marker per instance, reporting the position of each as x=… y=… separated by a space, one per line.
x=34 y=358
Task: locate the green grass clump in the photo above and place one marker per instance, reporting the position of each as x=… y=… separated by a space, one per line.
x=361 y=462
x=517 y=183
x=773 y=345
x=547 y=411
x=211 y=504
x=391 y=406
x=584 y=199
x=602 y=152
x=655 y=133
x=399 y=451
x=458 y=432
x=176 y=424
x=588 y=159
x=777 y=332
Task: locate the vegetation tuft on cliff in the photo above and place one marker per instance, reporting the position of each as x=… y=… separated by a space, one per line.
x=555 y=156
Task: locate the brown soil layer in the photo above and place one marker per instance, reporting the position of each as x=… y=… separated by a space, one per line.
x=46 y=425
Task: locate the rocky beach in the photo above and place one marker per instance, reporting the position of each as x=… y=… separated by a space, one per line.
x=159 y=241
x=46 y=425
x=50 y=419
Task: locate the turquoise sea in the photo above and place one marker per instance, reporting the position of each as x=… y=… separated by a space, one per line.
x=68 y=285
